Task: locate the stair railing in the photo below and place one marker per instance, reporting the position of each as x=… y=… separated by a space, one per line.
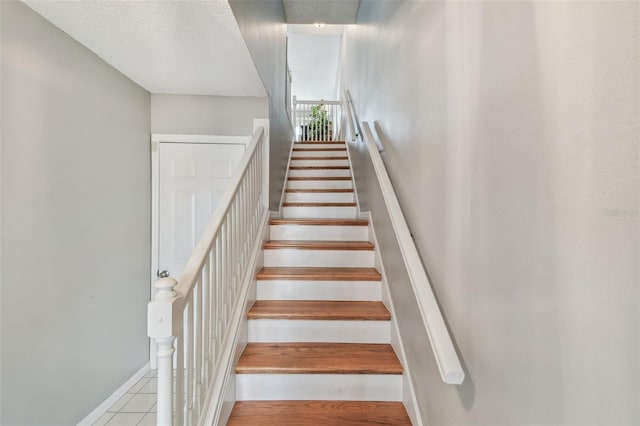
x=190 y=318
x=316 y=120
x=442 y=346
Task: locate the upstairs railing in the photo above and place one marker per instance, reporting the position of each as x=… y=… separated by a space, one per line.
x=317 y=120
x=190 y=318
x=441 y=343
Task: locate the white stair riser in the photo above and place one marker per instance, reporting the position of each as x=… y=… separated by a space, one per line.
x=324 y=163
x=319 y=212
x=350 y=387
x=320 y=184
x=319 y=154
x=319 y=233
x=335 y=331
x=319 y=258
x=320 y=145
x=320 y=173
x=319 y=197
x=319 y=290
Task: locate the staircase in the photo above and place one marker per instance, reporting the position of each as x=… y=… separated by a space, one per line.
x=319 y=348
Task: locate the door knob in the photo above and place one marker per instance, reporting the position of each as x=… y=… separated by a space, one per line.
x=163 y=274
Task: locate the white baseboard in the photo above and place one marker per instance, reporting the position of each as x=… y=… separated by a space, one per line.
x=286 y=180
x=114 y=397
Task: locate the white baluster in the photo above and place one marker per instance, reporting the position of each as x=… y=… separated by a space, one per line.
x=188 y=351
x=211 y=345
x=296 y=119
x=264 y=177
x=206 y=320
x=180 y=345
x=198 y=336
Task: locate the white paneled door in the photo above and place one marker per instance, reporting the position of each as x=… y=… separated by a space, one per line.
x=192 y=178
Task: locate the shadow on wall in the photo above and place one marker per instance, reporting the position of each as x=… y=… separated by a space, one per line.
x=507 y=134
x=493 y=288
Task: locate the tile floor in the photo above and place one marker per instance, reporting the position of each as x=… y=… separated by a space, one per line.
x=136 y=407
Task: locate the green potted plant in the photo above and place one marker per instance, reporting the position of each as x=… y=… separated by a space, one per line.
x=319 y=126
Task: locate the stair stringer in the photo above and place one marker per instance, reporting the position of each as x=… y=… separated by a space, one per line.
x=222 y=396
x=286 y=180
x=353 y=179
x=408 y=391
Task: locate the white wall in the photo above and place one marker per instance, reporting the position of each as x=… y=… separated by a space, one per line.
x=75 y=224
x=511 y=134
x=206 y=115
x=314 y=61
x=262 y=24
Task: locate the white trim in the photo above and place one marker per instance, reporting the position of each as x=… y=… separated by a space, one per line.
x=353 y=180
x=214 y=139
x=409 y=394
x=318 y=258
x=214 y=401
x=335 y=331
x=347 y=109
x=266 y=159
x=155 y=172
x=114 y=397
x=286 y=179
x=327 y=387
x=319 y=290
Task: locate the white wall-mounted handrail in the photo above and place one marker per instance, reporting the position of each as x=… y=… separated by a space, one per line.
x=351 y=116
x=191 y=317
x=445 y=353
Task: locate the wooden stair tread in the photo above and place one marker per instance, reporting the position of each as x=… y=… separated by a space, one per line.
x=319 y=168
x=319 y=274
x=319 y=310
x=319 y=245
x=320 y=222
x=318 y=204
x=318 y=413
x=319 y=178
x=318 y=191
x=318 y=358
x=319 y=158
x=319 y=149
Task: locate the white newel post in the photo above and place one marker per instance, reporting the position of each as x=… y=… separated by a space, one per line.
x=159 y=325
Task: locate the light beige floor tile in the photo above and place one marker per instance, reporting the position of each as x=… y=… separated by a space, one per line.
x=125 y=419
x=140 y=403
x=151 y=386
x=139 y=385
x=148 y=420
x=103 y=419
x=120 y=403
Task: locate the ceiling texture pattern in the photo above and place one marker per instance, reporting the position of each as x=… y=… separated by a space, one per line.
x=174 y=47
x=336 y=12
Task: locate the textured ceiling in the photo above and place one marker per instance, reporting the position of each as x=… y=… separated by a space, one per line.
x=338 y=12
x=177 y=47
